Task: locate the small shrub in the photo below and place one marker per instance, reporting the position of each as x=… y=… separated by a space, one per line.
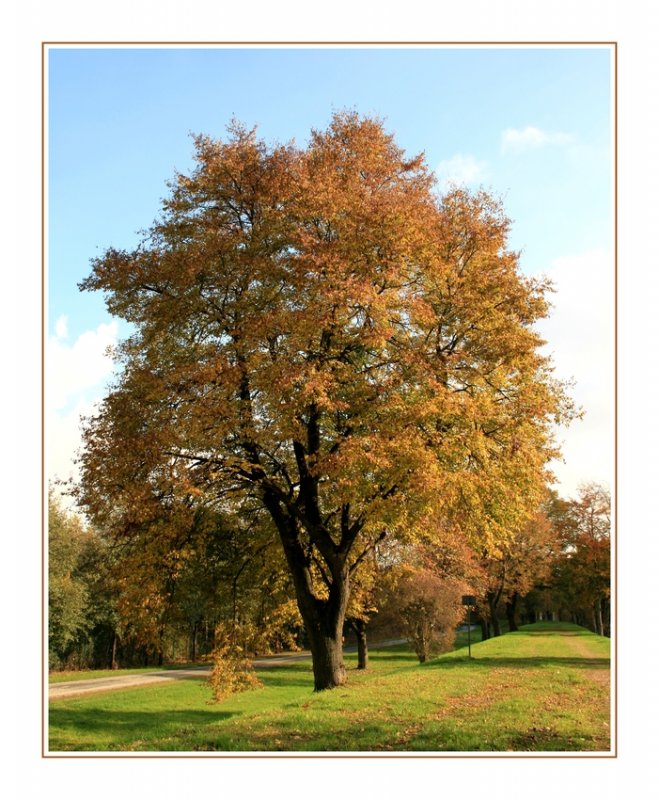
x=232 y=671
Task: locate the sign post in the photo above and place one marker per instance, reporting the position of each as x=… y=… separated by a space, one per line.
x=468 y=600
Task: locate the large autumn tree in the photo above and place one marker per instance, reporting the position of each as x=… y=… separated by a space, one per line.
x=319 y=335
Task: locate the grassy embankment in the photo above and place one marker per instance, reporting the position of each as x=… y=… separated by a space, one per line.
x=545 y=688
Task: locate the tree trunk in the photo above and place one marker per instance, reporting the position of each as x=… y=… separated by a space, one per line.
x=161 y=646
x=113 y=652
x=327 y=657
x=323 y=617
x=193 y=643
x=511 y=608
x=606 y=615
x=323 y=621
x=359 y=627
x=485 y=629
x=493 y=604
x=599 y=625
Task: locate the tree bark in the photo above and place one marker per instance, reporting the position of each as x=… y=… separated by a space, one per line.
x=511 y=608
x=493 y=603
x=323 y=620
x=606 y=615
x=113 y=652
x=161 y=646
x=193 y=643
x=327 y=657
x=599 y=625
x=359 y=627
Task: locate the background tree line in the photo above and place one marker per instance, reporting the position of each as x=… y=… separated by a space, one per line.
x=115 y=606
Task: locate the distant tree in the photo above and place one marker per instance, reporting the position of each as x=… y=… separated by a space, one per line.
x=423 y=607
x=582 y=575
x=523 y=561
x=96 y=561
x=78 y=603
x=362 y=605
x=67 y=592
x=319 y=335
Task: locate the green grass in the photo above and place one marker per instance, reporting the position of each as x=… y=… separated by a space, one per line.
x=545 y=688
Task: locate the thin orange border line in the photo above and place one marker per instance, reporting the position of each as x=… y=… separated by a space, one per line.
x=48 y=44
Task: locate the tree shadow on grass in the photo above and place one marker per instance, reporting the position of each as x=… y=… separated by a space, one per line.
x=383 y=655
x=272 y=681
x=122 y=727
x=286 y=675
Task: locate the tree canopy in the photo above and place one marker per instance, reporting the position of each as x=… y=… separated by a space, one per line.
x=320 y=337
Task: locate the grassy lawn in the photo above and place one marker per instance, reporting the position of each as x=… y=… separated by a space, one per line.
x=545 y=688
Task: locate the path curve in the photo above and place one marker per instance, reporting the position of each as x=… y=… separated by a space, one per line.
x=75 y=688
x=57 y=691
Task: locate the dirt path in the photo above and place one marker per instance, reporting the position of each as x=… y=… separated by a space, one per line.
x=74 y=688
x=582 y=650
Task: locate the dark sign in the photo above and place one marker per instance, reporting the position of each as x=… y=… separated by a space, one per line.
x=468 y=600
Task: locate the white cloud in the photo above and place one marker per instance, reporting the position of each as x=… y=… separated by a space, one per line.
x=460 y=170
x=62 y=328
x=580 y=334
x=63 y=440
x=580 y=328
x=72 y=369
x=75 y=378
x=530 y=138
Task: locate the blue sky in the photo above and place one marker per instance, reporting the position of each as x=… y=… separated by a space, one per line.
x=533 y=125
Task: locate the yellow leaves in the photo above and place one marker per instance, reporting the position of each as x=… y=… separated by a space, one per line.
x=318 y=387
x=232 y=672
